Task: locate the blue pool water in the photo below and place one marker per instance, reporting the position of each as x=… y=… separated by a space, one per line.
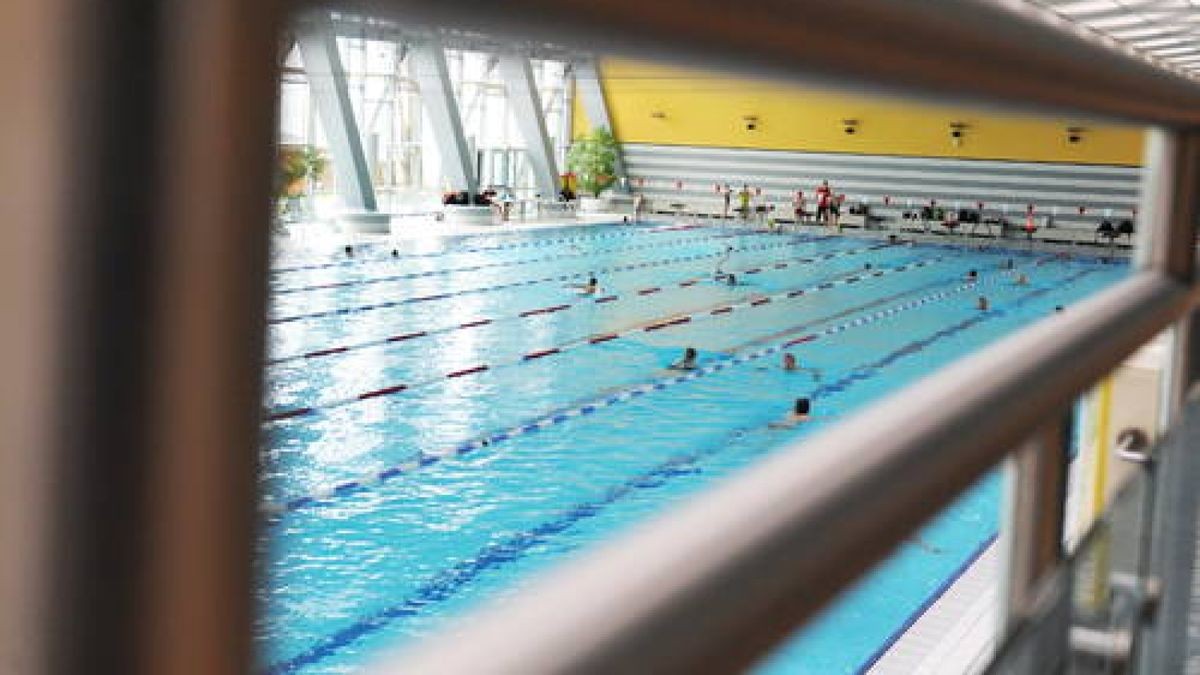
x=404 y=496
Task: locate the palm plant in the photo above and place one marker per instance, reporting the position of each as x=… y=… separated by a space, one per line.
x=593 y=160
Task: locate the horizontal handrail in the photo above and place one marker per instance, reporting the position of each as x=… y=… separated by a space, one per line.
x=1012 y=52
x=713 y=583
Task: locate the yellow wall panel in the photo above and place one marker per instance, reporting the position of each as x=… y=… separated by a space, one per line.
x=674 y=106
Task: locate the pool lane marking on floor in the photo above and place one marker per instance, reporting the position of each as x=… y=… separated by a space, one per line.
x=343 y=349
x=674 y=320
x=792 y=241
x=449 y=581
x=424 y=459
x=537 y=243
x=389 y=278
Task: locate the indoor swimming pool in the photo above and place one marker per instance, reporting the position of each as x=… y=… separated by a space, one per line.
x=446 y=417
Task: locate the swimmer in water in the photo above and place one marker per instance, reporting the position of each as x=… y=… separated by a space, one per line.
x=395 y=253
x=972 y=275
x=349 y=250
x=1058 y=308
x=721 y=263
x=731 y=280
x=589 y=288
x=800 y=413
x=982 y=305
x=792 y=365
x=867 y=266
x=688 y=362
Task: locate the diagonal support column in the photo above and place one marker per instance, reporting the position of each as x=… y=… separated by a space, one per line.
x=437 y=95
x=591 y=96
x=526 y=106
x=327 y=81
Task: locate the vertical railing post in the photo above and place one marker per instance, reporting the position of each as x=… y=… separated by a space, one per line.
x=1031 y=539
x=1167 y=238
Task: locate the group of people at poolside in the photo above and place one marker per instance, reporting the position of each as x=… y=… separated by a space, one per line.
x=828 y=206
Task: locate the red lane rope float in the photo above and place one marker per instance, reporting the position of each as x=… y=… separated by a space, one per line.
x=525 y=314
x=385 y=391
x=407 y=336
x=592 y=340
x=539 y=354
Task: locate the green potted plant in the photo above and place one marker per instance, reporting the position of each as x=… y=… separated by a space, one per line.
x=298 y=168
x=593 y=161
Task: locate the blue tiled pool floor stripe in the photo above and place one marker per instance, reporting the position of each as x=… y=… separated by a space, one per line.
x=443 y=585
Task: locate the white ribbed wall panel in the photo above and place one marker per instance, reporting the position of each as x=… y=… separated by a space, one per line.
x=1056 y=189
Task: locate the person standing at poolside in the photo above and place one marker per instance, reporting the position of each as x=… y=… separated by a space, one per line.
x=727 y=196
x=798 y=206
x=639 y=202
x=824 y=202
x=744 y=202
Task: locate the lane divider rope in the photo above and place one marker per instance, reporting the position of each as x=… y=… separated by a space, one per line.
x=597 y=339
x=425 y=459
x=665 y=262
x=541 y=311
x=450 y=580
x=538 y=243
x=390 y=278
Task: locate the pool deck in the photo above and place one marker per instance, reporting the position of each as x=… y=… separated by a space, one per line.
x=957 y=632
x=325 y=233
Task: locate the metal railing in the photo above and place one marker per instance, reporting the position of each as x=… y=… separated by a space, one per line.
x=711 y=585
x=140 y=134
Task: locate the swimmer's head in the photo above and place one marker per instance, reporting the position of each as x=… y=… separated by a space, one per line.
x=971 y=274
x=983 y=303
x=395 y=253
x=689 y=354
x=867 y=266
x=731 y=280
x=802 y=406
x=1058 y=308
x=789 y=361
x=349 y=249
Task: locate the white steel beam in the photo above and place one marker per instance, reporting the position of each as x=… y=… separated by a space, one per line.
x=526 y=107
x=327 y=82
x=437 y=95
